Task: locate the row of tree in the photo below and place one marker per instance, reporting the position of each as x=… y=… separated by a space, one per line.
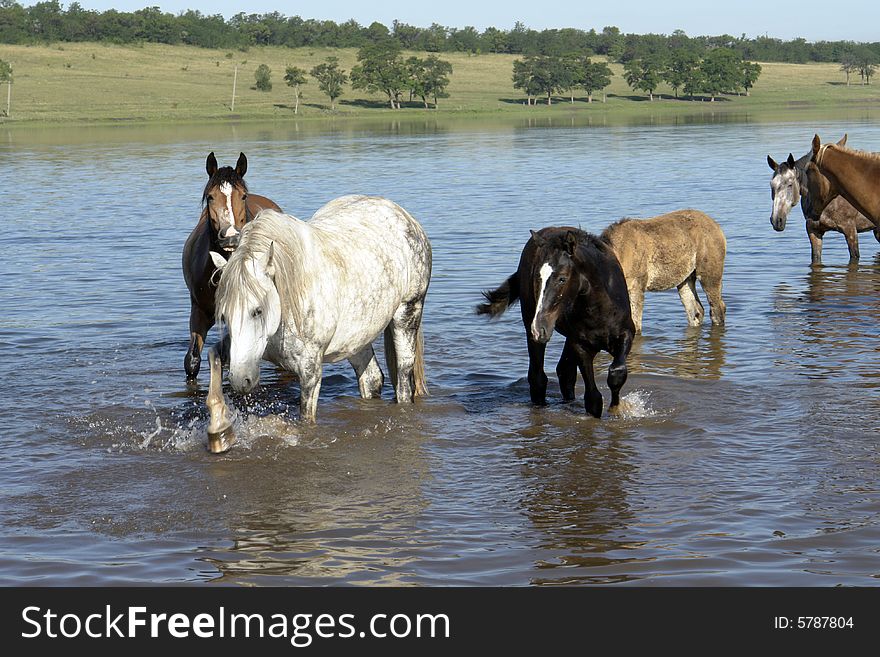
x=381 y=68
x=720 y=71
x=48 y=21
x=863 y=61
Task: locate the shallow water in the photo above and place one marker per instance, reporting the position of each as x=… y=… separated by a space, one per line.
x=742 y=455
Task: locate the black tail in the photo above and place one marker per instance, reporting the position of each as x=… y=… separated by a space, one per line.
x=501 y=299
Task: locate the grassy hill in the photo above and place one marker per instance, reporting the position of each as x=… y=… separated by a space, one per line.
x=88 y=82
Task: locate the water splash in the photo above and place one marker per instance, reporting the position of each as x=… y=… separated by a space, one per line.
x=635 y=405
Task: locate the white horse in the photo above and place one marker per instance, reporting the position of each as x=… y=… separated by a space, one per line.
x=301 y=294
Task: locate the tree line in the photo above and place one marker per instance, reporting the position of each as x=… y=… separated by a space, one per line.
x=48 y=21
x=381 y=69
x=720 y=71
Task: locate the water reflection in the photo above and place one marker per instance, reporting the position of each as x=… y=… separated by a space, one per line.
x=575 y=494
x=693 y=352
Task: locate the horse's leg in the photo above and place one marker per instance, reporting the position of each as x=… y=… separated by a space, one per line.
x=220 y=433
x=592 y=397
x=310 y=371
x=537 y=377
x=815 y=244
x=199 y=325
x=369 y=375
x=636 y=304
x=617 y=371
x=852 y=241
x=711 y=282
x=403 y=334
x=566 y=370
x=687 y=290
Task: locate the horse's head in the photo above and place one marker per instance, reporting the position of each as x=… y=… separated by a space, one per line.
x=249 y=308
x=225 y=201
x=785 y=190
x=552 y=275
x=821 y=189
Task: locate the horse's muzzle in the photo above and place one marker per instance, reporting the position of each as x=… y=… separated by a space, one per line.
x=243 y=384
x=541 y=334
x=229 y=243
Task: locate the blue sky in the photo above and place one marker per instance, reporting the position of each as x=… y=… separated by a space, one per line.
x=858 y=20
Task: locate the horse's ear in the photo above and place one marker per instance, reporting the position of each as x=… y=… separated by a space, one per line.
x=842 y=141
x=817 y=144
x=268 y=260
x=211 y=164
x=219 y=260
x=241 y=165
x=537 y=239
x=772 y=163
x=571 y=242
x=790 y=161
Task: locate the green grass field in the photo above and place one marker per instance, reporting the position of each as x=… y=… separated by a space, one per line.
x=88 y=83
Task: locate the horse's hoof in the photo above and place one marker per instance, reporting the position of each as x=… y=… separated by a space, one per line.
x=221 y=441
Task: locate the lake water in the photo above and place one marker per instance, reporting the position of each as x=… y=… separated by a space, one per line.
x=743 y=455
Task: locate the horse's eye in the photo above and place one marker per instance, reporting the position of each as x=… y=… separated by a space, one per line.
x=244 y=197
x=210 y=197
x=257 y=312
x=562 y=279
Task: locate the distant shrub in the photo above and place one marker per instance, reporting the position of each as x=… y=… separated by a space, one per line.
x=263 y=76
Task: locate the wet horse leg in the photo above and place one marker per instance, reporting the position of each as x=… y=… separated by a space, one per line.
x=687 y=290
x=537 y=377
x=852 y=241
x=401 y=347
x=711 y=282
x=815 y=236
x=369 y=375
x=566 y=371
x=310 y=370
x=592 y=397
x=617 y=371
x=199 y=325
x=220 y=433
x=636 y=303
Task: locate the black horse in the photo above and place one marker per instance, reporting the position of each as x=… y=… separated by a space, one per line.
x=570 y=281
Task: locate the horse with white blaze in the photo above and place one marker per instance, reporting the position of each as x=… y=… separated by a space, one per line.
x=300 y=294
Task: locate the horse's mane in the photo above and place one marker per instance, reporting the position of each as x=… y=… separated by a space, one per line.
x=868 y=155
x=290 y=240
x=223 y=175
x=606 y=234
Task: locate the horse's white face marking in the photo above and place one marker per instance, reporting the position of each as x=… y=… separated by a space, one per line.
x=785 y=189
x=252 y=323
x=227 y=217
x=545 y=272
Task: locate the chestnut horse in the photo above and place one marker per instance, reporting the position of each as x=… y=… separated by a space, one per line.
x=571 y=282
x=788 y=187
x=855 y=175
x=227 y=207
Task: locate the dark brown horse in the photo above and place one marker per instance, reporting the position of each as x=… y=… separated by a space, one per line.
x=571 y=282
x=854 y=175
x=227 y=207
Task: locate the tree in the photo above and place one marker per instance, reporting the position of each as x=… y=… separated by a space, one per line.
x=680 y=68
x=849 y=63
x=381 y=69
x=6 y=76
x=523 y=77
x=263 y=75
x=750 y=73
x=643 y=74
x=428 y=78
x=722 y=71
x=549 y=75
x=867 y=61
x=330 y=78
x=593 y=76
x=295 y=77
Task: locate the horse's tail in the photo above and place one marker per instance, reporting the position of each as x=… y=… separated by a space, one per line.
x=420 y=387
x=501 y=299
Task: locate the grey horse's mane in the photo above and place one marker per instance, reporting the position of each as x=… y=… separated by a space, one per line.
x=289 y=240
